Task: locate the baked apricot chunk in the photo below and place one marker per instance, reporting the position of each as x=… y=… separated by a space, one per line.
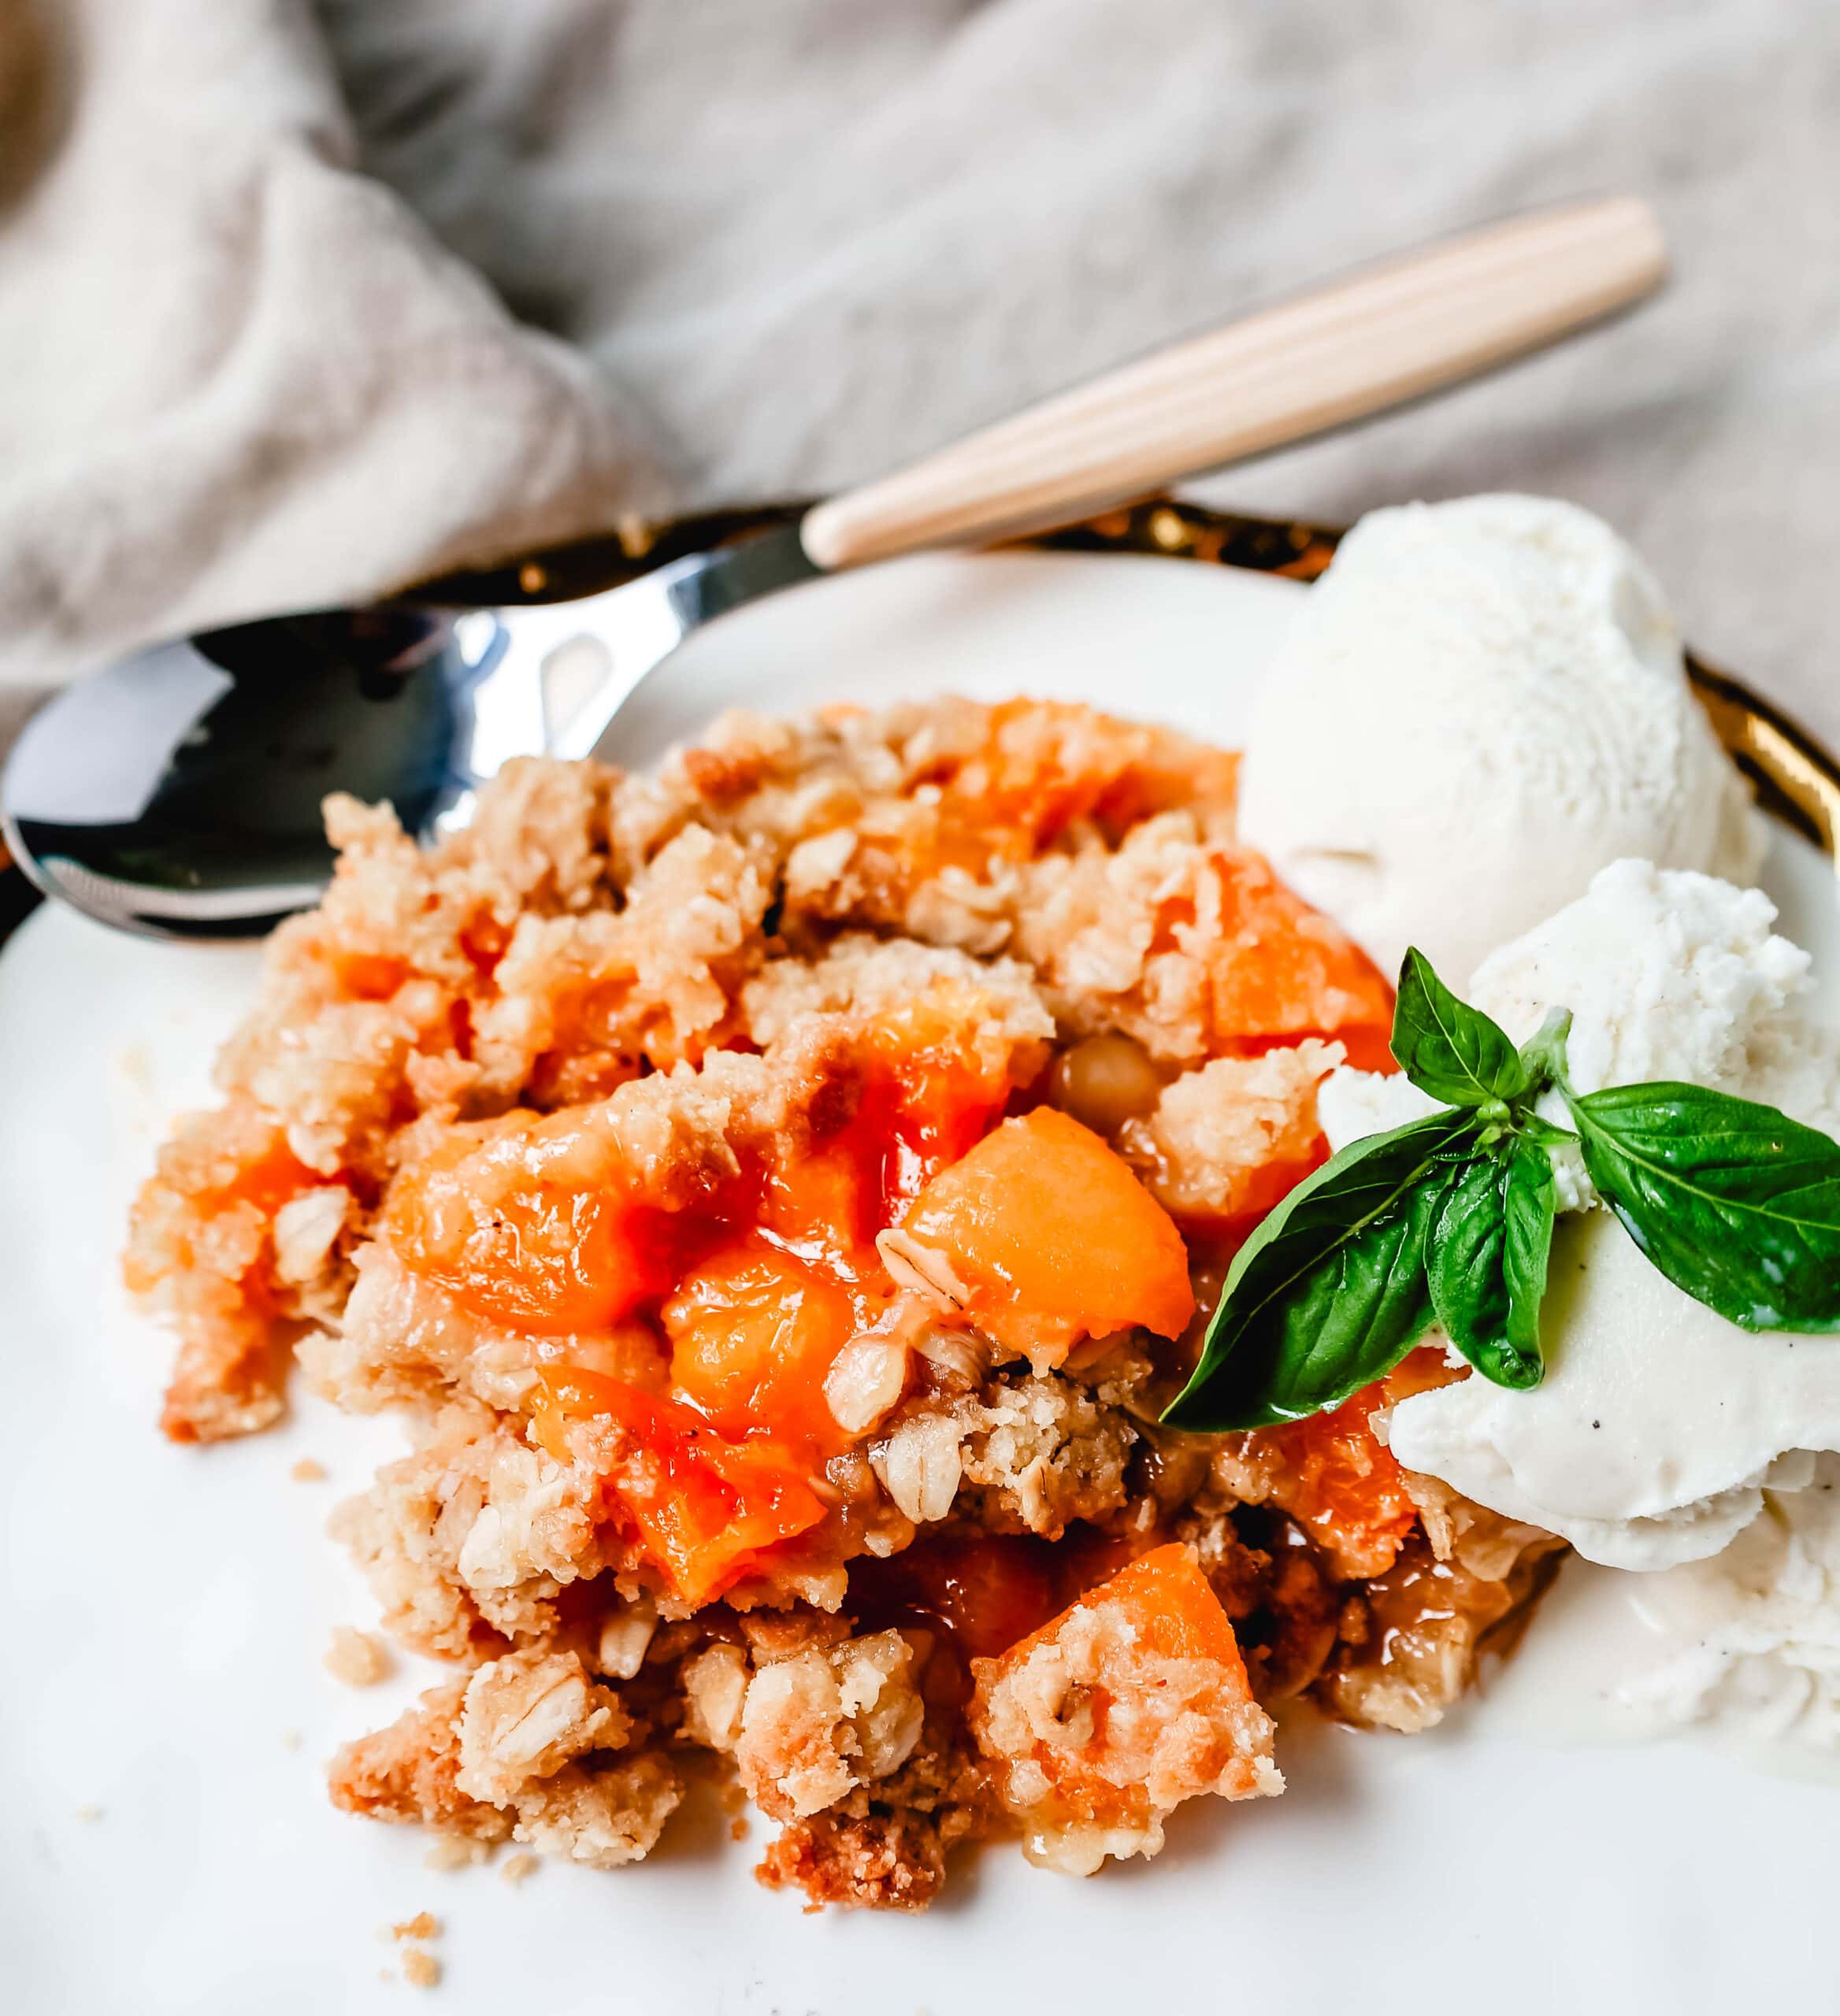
x=704 y=1507
x=530 y=1222
x=754 y=1331
x=1042 y=1236
x=1308 y=977
x=1104 y=1721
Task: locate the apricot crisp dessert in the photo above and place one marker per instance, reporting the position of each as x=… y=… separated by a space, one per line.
x=779 y=1194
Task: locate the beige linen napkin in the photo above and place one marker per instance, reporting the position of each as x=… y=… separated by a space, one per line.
x=236 y=374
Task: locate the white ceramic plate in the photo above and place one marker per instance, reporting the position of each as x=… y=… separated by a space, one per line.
x=165 y=1842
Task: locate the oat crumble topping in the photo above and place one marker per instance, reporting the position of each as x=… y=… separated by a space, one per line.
x=779 y=1192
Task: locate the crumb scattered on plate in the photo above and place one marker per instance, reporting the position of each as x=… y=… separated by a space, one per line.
x=518 y=1869
x=420 y=1969
x=309 y=1470
x=355 y=1659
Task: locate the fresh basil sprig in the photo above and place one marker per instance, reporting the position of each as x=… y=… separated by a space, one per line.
x=1450 y=1219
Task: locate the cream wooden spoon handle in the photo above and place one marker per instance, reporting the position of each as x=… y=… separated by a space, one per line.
x=1336 y=353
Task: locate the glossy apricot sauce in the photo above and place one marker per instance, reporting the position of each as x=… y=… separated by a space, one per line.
x=1344 y=1486
x=976 y=1594
x=749 y=1281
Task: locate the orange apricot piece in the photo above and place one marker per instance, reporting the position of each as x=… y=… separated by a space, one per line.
x=1132 y=1700
x=703 y=1509
x=525 y=1222
x=753 y=1332
x=1044 y=1236
x=1286 y=970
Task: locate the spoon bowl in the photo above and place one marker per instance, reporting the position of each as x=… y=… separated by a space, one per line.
x=179 y=793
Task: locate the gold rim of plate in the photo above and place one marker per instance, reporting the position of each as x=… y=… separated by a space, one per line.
x=1796 y=779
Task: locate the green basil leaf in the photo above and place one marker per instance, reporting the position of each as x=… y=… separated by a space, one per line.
x=1463 y=1265
x=1486 y=1263
x=1734 y=1202
x=1530 y=1203
x=1328 y=1293
x=1447 y=1048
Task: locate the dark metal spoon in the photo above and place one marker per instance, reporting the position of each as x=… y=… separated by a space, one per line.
x=178 y=793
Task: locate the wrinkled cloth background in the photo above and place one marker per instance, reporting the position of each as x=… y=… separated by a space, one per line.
x=298 y=302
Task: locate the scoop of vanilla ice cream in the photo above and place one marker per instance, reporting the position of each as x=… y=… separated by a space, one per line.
x=1659 y=1425
x=1748 y=1641
x=1481 y=704
x=1744 y=1645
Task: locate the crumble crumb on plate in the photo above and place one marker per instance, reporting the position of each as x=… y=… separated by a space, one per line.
x=355 y=1659
x=420 y=1969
